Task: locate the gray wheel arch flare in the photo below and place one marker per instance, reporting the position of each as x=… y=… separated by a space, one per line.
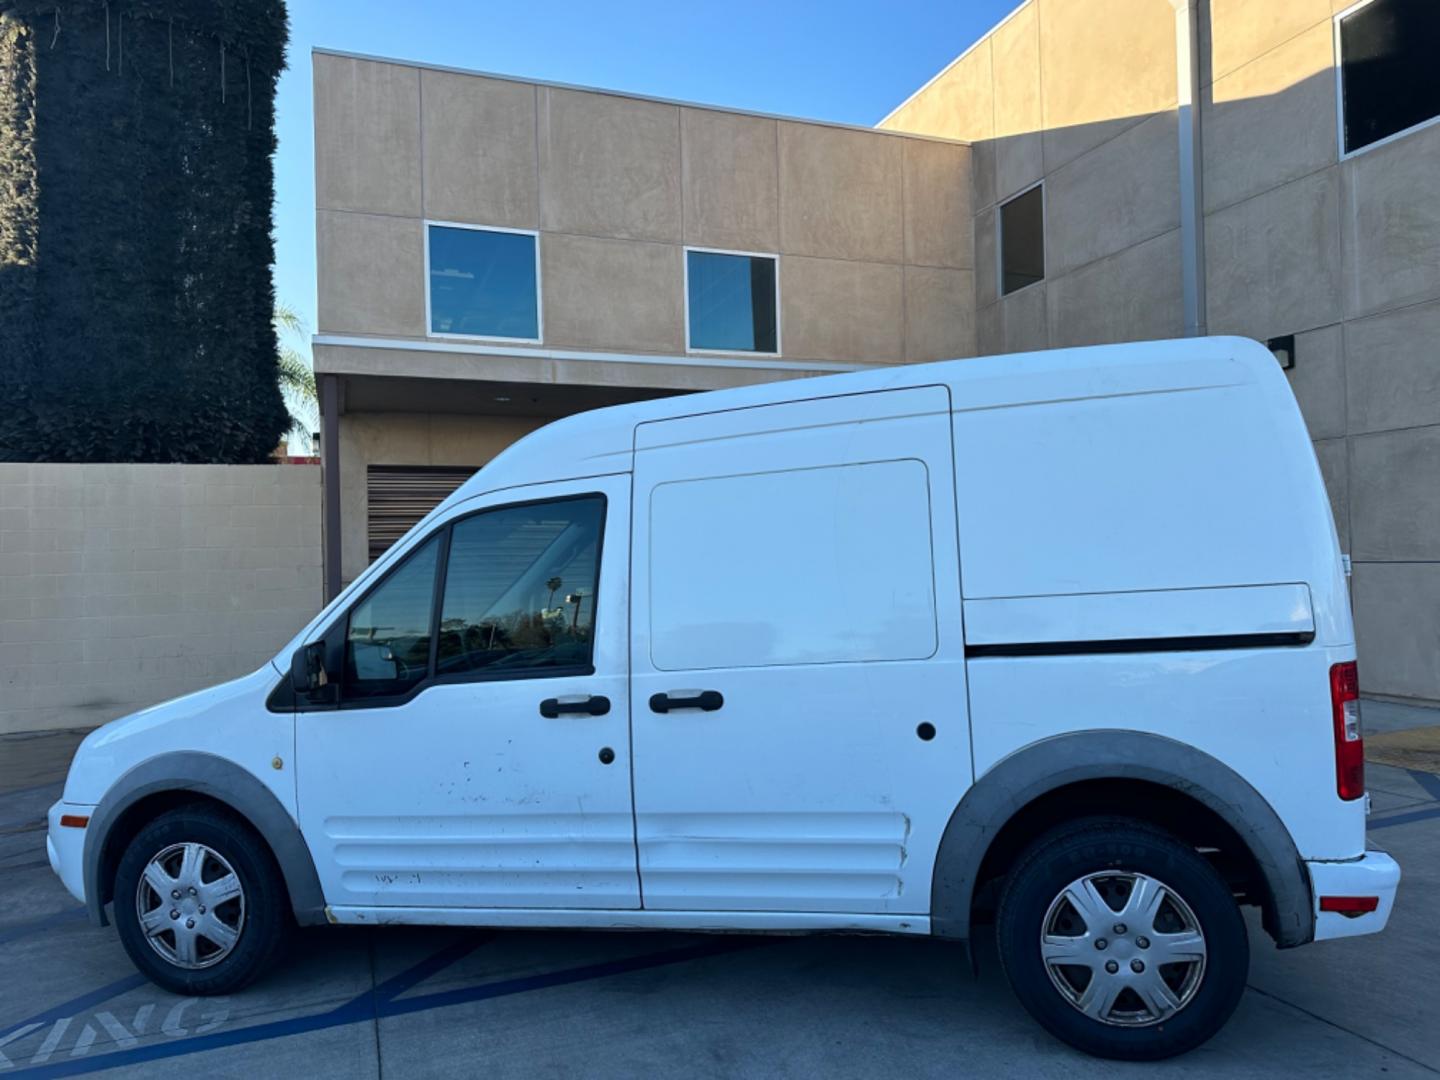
x=222 y=780
x=1027 y=774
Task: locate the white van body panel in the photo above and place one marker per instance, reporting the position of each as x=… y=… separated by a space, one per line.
x=465 y=795
x=229 y=721
x=1147 y=614
x=1263 y=712
x=744 y=922
x=802 y=559
x=1124 y=476
x=1153 y=501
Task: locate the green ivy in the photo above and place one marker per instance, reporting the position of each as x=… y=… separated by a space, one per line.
x=136 y=207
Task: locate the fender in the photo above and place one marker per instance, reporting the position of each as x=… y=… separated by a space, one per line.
x=207 y=774
x=1028 y=773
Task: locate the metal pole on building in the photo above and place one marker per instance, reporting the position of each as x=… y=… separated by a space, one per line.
x=1192 y=206
x=330 y=479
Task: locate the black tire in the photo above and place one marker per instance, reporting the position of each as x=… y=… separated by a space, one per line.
x=1097 y=845
x=266 y=909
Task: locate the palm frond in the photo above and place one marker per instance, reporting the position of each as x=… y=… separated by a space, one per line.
x=287 y=319
x=296 y=374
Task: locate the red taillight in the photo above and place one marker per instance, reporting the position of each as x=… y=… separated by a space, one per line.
x=1349 y=739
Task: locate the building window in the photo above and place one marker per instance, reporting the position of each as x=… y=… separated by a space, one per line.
x=1022 y=240
x=482 y=282
x=732 y=301
x=1387 y=51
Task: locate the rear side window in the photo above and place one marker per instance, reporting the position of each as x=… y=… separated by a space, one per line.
x=811 y=566
x=520 y=589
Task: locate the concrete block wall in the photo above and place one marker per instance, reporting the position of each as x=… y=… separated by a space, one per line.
x=873 y=229
x=125 y=585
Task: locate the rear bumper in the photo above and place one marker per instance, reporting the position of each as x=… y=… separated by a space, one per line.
x=1374 y=874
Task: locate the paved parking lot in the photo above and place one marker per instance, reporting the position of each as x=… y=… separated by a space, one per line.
x=412 y=1002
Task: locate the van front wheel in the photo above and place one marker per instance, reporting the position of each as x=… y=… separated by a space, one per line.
x=1121 y=940
x=199 y=902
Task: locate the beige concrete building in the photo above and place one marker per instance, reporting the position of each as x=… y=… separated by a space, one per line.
x=1090 y=171
x=616 y=206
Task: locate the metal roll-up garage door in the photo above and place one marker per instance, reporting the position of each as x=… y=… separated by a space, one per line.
x=397 y=496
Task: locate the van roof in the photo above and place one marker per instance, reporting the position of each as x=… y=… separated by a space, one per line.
x=599 y=441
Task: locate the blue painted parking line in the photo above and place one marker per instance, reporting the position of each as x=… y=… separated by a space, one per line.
x=78 y=1004
x=1429 y=781
x=362 y=1007
x=521 y=984
x=396 y=985
x=371 y=1006
x=1407 y=818
x=69 y=915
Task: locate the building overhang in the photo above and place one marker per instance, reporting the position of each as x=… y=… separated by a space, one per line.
x=402 y=374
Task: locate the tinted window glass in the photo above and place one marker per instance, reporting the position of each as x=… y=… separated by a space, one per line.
x=732 y=302
x=483 y=283
x=387 y=642
x=520 y=588
x=1387 y=68
x=1022 y=241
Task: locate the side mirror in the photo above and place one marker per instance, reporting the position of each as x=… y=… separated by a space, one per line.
x=307 y=669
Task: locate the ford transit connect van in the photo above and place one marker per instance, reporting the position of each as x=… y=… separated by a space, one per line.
x=1057 y=641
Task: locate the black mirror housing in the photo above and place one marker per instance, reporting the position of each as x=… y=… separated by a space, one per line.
x=308 y=677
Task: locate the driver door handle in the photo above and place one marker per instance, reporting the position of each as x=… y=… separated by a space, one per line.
x=705 y=700
x=583 y=704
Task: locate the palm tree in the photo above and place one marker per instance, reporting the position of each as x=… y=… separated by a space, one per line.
x=297 y=376
x=554 y=586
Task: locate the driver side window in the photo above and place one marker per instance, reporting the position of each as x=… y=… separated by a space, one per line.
x=387 y=642
x=519 y=599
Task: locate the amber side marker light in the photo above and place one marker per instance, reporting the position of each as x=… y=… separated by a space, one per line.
x=1352 y=907
x=74 y=821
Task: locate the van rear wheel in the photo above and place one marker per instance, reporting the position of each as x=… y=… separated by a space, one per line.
x=200 y=905
x=1121 y=940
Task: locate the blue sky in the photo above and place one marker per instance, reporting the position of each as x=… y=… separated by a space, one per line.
x=837 y=60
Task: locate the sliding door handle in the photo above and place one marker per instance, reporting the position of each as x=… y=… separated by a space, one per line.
x=583 y=704
x=705 y=700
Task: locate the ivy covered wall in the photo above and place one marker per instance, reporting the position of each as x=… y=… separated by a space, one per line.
x=136 y=198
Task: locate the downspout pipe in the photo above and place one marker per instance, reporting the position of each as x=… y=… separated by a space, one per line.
x=330 y=481
x=1192 y=204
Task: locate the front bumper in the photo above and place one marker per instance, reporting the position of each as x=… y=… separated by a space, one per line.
x=1373 y=874
x=65 y=846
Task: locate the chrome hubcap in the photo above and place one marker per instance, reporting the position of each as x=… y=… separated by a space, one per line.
x=1124 y=949
x=191 y=906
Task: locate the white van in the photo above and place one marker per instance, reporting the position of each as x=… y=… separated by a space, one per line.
x=1057 y=641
